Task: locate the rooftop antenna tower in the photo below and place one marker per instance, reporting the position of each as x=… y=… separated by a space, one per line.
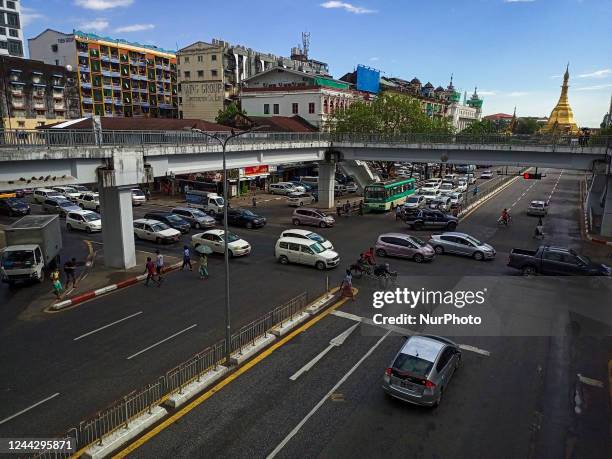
x=305 y=43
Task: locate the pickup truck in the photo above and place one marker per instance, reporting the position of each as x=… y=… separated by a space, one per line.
x=555 y=261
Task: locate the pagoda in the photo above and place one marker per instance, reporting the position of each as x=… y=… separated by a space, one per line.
x=562 y=118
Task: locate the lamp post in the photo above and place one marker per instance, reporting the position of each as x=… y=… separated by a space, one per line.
x=223 y=142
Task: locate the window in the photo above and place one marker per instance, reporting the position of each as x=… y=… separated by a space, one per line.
x=294 y=247
x=54 y=48
x=213 y=73
x=276 y=109
x=200 y=73
x=12 y=19
x=294 y=108
x=213 y=57
x=284 y=245
x=186 y=60
x=307 y=250
x=21 y=124
x=311 y=107
x=187 y=74
x=57 y=62
x=3 y=44
x=266 y=109
x=15 y=48
x=199 y=58
x=13 y=33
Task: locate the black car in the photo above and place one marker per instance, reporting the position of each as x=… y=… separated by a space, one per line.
x=428 y=218
x=170 y=219
x=14 y=206
x=243 y=217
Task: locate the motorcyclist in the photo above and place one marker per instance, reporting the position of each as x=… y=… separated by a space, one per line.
x=505 y=216
x=368 y=255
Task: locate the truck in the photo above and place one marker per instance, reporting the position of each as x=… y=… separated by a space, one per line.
x=211 y=203
x=33 y=244
x=555 y=261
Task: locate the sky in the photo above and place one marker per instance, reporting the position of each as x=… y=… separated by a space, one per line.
x=514 y=51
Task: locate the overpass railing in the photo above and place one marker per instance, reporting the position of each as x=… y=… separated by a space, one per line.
x=49 y=138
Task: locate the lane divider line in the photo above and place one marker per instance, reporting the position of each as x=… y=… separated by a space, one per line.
x=29 y=408
x=161 y=342
x=106 y=326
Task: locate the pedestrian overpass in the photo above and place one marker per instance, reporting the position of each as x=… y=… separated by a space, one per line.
x=118 y=160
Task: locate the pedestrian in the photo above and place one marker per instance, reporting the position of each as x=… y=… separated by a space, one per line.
x=475 y=190
x=159 y=266
x=57 y=283
x=254 y=201
x=346 y=286
x=361 y=207
x=347 y=208
x=150 y=270
x=70 y=272
x=398 y=213
x=338 y=209
x=186 y=258
x=203 y=269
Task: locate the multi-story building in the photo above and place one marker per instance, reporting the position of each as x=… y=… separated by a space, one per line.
x=11 y=33
x=115 y=77
x=286 y=92
x=211 y=74
x=462 y=115
x=35 y=94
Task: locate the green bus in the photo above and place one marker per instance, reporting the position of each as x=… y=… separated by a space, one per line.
x=382 y=196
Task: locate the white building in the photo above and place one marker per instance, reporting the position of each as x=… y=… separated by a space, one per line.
x=462 y=115
x=286 y=92
x=11 y=33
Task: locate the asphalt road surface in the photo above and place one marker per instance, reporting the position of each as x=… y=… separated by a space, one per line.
x=513 y=399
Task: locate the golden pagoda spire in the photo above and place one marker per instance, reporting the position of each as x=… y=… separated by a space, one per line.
x=562 y=117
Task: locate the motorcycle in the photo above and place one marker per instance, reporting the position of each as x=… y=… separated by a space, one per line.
x=359 y=269
x=502 y=222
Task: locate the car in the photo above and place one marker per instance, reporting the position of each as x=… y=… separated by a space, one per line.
x=555 y=261
x=486 y=175
x=446 y=187
x=14 y=206
x=456 y=199
x=442 y=203
x=470 y=178
x=450 y=178
x=421 y=370
x=299 y=199
x=351 y=187
x=461 y=186
x=282 y=188
x=81 y=188
x=429 y=195
x=59 y=206
x=461 y=244
x=68 y=192
x=89 y=201
x=312 y=217
x=415 y=201
x=430 y=186
x=305 y=252
x=138 y=197
x=430 y=218
x=156 y=231
x=40 y=194
x=405 y=246
x=243 y=217
x=305 y=234
x=170 y=219
x=214 y=240
x=196 y=217
x=537 y=208
x=340 y=189
x=85 y=220
x=299 y=186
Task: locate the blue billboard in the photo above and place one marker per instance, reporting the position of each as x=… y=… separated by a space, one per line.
x=368 y=79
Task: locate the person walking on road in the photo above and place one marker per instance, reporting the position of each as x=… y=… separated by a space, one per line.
x=347 y=209
x=150 y=270
x=57 y=283
x=203 y=269
x=186 y=258
x=70 y=272
x=398 y=213
x=159 y=266
x=346 y=286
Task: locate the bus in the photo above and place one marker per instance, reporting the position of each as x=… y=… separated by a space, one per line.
x=382 y=196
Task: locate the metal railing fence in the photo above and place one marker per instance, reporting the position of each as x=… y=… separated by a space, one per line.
x=50 y=138
x=122 y=412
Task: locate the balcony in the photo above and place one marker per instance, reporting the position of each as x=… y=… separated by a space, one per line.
x=59 y=106
x=86 y=85
x=87 y=101
x=17 y=103
x=84 y=69
x=17 y=91
x=38 y=94
x=108 y=100
x=83 y=54
x=107 y=73
x=40 y=106
x=58 y=95
x=118 y=102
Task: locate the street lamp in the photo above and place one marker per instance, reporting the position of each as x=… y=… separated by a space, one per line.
x=223 y=142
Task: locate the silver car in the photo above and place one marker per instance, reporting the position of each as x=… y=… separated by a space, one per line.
x=415 y=201
x=422 y=369
x=461 y=244
x=537 y=208
x=196 y=217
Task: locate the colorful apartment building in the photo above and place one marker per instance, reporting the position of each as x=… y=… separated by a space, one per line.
x=116 y=78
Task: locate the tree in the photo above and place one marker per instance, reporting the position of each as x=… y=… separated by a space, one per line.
x=480 y=128
x=227 y=115
x=527 y=126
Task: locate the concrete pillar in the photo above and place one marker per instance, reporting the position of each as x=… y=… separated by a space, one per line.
x=117 y=227
x=327 y=181
x=606 y=220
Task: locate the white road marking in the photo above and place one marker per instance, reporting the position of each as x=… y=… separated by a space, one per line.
x=297 y=428
x=401 y=330
x=162 y=341
x=29 y=408
x=590 y=381
x=336 y=342
x=106 y=326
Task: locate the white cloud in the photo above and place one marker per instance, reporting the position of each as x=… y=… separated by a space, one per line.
x=597 y=74
x=96 y=25
x=347 y=6
x=102 y=4
x=29 y=15
x=134 y=28
x=375 y=59
x=517 y=94
x=487 y=93
x=556 y=76
x=596 y=87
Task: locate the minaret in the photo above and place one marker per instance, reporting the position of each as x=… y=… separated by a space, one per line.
x=562 y=117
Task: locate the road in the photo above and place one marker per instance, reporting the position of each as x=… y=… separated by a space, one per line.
x=524 y=379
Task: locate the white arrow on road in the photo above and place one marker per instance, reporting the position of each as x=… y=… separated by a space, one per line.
x=336 y=342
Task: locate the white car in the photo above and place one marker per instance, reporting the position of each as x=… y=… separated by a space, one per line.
x=461 y=186
x=415 y=201
x=486 y=175
x=299 y=199
x=138 y=197
x=84 y=220
x=89 y=201
x=215 y=241
x=305 y=234
x=306 y=252
x=68 y=192
x=430 y=195
x=153 y=230
x=456 y=198
x=469 y=178
x=40 y=195
x=446 y=187
x=351 y=187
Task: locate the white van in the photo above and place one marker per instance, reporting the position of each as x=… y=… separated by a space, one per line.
x=85 y=220
x=41 y=194
x=282 y=188
x=305 y=252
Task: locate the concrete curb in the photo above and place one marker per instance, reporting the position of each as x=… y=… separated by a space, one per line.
x=587 y=235
x=486 y=197
x=104 y=290
x=195 y=387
